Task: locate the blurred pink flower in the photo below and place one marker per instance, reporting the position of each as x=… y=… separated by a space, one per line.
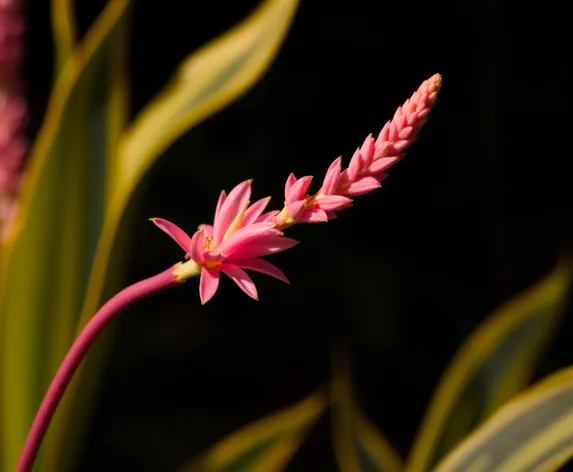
x=13 y=145
x=238 y=238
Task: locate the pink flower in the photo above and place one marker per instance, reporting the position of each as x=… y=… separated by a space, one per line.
x=13 y=144
x=240 y=235
x=367 y=167
x=300 y=207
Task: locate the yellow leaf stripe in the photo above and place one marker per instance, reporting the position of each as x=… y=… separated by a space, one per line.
x=64 y=31
x=533 y=432
x=477 y=350
x=350 y=426
x=283 y=432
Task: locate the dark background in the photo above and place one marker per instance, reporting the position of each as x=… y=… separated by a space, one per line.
x=478 y=211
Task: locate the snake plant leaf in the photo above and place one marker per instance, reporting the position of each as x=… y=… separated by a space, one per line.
x=267 y=445
x=532 y=432
x=49 y=251
x=358 y=445
x=491 y=366
x=64 y=31
x=207 y=81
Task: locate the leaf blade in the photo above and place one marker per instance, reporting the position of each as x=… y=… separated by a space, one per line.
x=280 y=435
x=526 y=312
x=358 y=445
x=44 y=258
x=64 y=31
x=215 y=75
x=534 y=431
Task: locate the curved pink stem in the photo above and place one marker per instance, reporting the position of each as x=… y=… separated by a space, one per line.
x=77 y=352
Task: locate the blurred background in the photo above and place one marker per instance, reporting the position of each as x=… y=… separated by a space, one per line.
x=477 y=212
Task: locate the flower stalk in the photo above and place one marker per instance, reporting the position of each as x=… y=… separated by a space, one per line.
x=243 y=233
x=77 y=352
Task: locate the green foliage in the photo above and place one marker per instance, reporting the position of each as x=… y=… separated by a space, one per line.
x=491 y=366
x=357 y=444
x=83 y=170
x=534 y=431
x=266 y=445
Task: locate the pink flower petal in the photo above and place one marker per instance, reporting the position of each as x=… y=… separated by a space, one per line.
x=367 y=150
x=380 y=176
x=196 y=250
x=362 y=186
x=332 y=178
x=264 y=246
x=240 y=277
x=289 y=183
x=355 y=166
x=241 y=237
x=208 y=284
x=222 y=198
x=381 y=149
x=254 y=211
x=382 y=164
x=207 y=229
x=268 y=216
x=399 y=146
x=298 y=189
x=260 y=265
x=384 y=135
x=316 y=215
x=176 y=233
x=295 y=209
x=333 y=202
x=406 y=132
x=232 y=205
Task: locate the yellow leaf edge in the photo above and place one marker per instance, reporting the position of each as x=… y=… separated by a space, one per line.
x=42 y=144
x=64 y=31
x=474 y=351
x=544 y=390
x=291 y=421
x=60 y=95
x=250 y=73
x=348 y=421
x=118 y=204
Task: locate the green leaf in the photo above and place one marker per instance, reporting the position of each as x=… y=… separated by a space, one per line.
x=64 y=31
x=533 y=432
x=49 y=251
x=207 y=81
x=240 y=57
x=267 y=445
x=358 y=446
x=492 y=365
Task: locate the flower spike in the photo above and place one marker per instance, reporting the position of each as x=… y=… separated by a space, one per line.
x=241 y=233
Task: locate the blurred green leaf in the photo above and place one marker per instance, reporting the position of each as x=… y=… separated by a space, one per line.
x=267 y=445
x=49 y=251
x=207 y=81
x=533 y=432
x=358 y=446
x=64 y=31
x=492 y=365
x=104 y=122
